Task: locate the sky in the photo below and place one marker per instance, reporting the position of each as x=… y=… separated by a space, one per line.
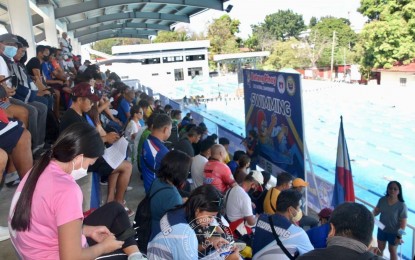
x=253 y=12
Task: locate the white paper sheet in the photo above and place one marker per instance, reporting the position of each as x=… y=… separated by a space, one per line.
x=115 y=154
x=379 y=224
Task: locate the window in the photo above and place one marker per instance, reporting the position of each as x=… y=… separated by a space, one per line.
x=195 y=57
x=178 y=75
x=172 y=59
x=151 y=61
x=193 y=72
x=402 y=82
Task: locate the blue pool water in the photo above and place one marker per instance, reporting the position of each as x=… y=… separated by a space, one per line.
x=379 y=125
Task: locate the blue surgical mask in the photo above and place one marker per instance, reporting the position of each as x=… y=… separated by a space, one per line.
x=10 y=51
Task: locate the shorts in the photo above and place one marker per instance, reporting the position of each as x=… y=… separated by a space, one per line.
x=383 y=236
x=4 y=104
x=101 y=167
x=9 y=139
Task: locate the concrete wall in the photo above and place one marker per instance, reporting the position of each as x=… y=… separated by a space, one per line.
x=391 y=78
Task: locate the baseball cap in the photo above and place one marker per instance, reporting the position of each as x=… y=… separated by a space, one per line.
x=257 y=175
x=298 y=182
x=85 y=90
x=8 y=37
x=325 y=213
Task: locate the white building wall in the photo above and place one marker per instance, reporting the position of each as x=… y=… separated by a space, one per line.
x=161 y=75
x=391 y=78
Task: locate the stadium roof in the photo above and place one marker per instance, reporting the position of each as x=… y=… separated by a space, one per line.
x=92 y=20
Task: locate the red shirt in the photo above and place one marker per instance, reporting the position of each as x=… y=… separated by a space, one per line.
x=218 y=174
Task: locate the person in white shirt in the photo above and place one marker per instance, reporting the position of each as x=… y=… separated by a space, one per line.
x=65 y=44
x=239 y=207
x=134 y=125
x=198 y=163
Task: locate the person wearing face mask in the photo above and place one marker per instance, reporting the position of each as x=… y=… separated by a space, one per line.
x=306 y=221
x=239 y=205
x=34 y=69
x=281 y=225
x=46 y=219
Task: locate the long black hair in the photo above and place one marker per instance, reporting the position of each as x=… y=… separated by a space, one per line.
x=400 y=195
x=79 y=138
x=203 y=198
x=175 y=167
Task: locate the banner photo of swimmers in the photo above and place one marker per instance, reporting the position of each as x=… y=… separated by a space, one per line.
x=274 y=120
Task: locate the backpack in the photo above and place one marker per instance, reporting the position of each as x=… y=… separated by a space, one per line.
x=142 y=222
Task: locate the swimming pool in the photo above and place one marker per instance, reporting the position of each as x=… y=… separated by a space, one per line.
x=379 y=125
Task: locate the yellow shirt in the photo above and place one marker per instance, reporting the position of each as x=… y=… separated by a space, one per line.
x=227 y=159
x=271 y=199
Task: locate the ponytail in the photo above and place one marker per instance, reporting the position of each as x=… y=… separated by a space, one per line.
x=22 y=212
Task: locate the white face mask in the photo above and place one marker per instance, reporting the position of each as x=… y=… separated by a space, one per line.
x=79 y=173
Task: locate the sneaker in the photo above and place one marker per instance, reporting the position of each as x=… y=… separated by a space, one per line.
x=13 y=183
x=129 y=188
x=4 y=233
x=103 y=183
x=11 y=177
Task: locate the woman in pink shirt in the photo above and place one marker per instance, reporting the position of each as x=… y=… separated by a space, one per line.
x=46 y=219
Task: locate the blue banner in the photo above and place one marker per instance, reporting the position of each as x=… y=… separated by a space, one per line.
x=319 y=192
x=273 y=109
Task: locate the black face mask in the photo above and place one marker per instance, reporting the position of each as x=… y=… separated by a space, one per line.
x=46 y=58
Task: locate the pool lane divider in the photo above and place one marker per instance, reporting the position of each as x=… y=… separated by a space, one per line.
x=360 y=186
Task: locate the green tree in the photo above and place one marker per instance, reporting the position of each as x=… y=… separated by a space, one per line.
x=105 y=46
x=389 y=37
x=284 y=24
x=286 y=54
x=221 y=33
x=180 y=35
x=313 y=22
x=345 y=40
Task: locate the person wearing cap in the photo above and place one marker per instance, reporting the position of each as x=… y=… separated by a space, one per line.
x=292 y=237
x=306 y=221
x=318 y=235
x=83 y=96
x=239 y=205
x=8 y=47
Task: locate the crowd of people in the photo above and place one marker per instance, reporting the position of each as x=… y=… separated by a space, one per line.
x=58 y=118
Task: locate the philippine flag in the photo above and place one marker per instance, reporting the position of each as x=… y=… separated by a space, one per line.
x=343 y=184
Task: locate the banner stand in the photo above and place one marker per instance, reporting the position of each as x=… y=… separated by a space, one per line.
x=310 y=164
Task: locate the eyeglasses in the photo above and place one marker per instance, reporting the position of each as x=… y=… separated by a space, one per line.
x=393 y=189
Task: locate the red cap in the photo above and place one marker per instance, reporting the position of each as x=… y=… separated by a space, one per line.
x=325 y=213
x=85 y=90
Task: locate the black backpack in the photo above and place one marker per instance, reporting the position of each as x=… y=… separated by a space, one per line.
x=142 y=222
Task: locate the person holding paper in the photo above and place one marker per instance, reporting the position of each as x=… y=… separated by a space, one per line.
x=393 y=214
x=46 y=219
x=83 y=97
